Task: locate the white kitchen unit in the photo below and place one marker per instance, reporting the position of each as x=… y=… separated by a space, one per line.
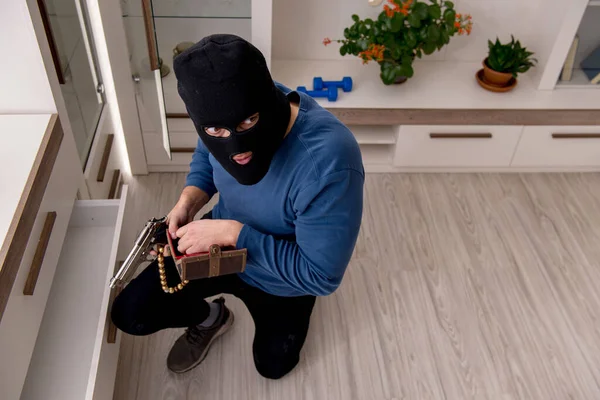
x=57 y=256
x=391 y=123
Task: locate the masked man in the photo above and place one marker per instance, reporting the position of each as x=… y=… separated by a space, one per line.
x=290 y=182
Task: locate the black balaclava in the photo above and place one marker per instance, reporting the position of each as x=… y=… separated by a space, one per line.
x=223 y=80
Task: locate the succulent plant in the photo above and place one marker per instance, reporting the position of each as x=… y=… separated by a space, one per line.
x=510 y=57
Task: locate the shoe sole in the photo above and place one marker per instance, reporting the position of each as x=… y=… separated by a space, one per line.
x=226 y=326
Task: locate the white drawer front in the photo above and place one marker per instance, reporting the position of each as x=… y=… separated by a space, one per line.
x=558 y=146
x=456 y=146
x=181 y=125
x=23 y=315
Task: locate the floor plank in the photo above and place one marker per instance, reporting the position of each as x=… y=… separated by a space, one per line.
x=462 y=286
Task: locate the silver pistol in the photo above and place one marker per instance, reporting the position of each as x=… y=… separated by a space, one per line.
x=140 y=251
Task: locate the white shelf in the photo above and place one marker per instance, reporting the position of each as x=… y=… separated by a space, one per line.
x=374 y=134
x=579 y=80
x=377 y=154
x=70 y=351
x=436 y=84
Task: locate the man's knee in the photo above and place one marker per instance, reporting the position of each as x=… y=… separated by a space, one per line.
x=126 y=317
x=276 y=359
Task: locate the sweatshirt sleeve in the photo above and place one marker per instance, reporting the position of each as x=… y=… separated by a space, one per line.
x=201 y=171
x=328 y=217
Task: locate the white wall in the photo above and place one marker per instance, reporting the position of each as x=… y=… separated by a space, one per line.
x=300 y=26
x=24 y=86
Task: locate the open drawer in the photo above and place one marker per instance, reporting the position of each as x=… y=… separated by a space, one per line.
x=72 y=358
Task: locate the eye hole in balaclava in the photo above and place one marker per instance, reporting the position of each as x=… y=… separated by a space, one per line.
x=223 y=79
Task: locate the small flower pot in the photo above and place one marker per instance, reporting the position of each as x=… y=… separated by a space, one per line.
x=495 y=78
x=400 y=79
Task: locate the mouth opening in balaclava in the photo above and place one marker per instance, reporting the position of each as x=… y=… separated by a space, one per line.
x=223 y=80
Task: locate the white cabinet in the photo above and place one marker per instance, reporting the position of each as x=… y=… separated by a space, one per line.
x=23 y=314
x=456 y=146
x=559 y=146
x=72 y=358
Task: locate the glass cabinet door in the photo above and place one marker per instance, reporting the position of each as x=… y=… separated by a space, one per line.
x=69 y=36
x=581 y=68
x=147 y=68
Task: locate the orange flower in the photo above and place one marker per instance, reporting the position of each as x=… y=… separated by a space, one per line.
x=374 y=52
x=457 y=24
x=458 y=16
x=388 y=11
x=326 y=41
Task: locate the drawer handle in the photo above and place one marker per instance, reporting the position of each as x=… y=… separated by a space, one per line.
x=183 y=149
x=576 y=136
x=460 y=135
x=114 y=184
x=111 y=336
x=40 y=252
x=105 y=157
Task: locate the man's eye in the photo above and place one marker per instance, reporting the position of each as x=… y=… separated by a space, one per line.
x=219 y=132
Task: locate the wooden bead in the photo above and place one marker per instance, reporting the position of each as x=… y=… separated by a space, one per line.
x=161 y=250
x=171 y=290
x=180 y=286
x=186 y=282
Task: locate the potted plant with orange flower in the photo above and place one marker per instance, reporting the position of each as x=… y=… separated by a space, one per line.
x=405 y=29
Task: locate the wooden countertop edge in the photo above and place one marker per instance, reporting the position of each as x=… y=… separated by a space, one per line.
x=17 y=237
x=431 y=116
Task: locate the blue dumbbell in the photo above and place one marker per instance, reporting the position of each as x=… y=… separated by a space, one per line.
x=331 y=92
x=345 y=84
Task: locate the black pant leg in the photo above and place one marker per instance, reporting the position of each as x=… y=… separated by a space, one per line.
x=281 y=327
x=143 y=307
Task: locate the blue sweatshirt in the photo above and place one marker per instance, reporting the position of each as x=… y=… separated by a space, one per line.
x=301 y=221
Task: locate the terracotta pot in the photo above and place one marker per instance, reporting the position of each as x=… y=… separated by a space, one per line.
x=494 y=77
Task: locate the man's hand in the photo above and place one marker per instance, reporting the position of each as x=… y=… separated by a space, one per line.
x=198 y=236
x=192 y=199
x=179 y=216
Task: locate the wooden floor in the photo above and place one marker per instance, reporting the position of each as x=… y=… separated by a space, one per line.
x=463 y=286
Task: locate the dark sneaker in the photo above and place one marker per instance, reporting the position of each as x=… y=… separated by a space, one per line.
x=192 y=347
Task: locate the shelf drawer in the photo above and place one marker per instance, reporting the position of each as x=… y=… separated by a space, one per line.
x=456 y=146
x=559 y=146
x=24 y=312
x=74 y=329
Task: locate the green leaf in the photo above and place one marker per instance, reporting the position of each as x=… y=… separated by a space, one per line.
x=375 y=31
x=410 y=38
x=396 y=53
x=397 y=22
x=445 y=38
x=363 y=44
x=387 y=74
x=434 y=33
x=369 y=22
x=414 y=21
x=355 y=18
x=420 y=10
x=434 y=11
x=347 y=33
x=407 y=71
x=449 y=17
x=429 y=48
x=419 y=53
x=388 y=24
x=362 y=29
x=382 y=16
x=343 y=50
x=407 y=60
x=449 y=4
x=423 y=34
